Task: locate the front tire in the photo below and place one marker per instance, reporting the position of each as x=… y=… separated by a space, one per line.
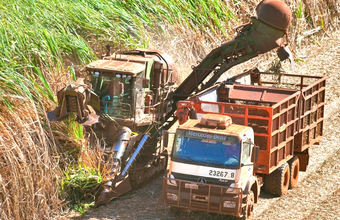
x=248 y=212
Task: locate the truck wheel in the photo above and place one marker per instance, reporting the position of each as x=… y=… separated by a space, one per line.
x=248 y=212
x=294 y=165
x=277 y=182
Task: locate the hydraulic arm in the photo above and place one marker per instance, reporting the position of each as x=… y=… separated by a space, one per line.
x=264 y=33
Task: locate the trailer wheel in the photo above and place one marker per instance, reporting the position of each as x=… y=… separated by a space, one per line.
x=277 y=182
x=294 y=165
x=248 y=211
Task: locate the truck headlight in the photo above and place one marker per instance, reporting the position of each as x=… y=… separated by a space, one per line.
x=229 y=204
x=230 y=190
x=172 y=196
x=171 y=181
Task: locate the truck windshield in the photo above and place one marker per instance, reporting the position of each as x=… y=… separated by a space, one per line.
x=207 y=151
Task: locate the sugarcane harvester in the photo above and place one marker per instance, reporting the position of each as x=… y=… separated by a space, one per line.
x=128 y=99
x=122 y=102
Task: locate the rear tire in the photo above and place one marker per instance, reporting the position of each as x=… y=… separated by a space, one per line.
x=294 y=166
x=277 y=183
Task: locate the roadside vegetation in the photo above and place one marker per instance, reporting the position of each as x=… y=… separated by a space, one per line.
x=44 y=44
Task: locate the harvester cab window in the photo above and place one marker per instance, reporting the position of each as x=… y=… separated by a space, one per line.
x=127 y=81
x=114 y=90
x=115 y=86
x=139 y=95
x=139 y=81
x=97 y=82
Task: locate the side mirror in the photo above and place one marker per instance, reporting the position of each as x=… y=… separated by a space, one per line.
x=255 y=154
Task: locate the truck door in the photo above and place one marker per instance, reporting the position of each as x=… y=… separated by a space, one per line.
x=246 y=164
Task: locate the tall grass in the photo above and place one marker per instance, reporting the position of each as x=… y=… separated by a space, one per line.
x=28 y=164
x=42 y=42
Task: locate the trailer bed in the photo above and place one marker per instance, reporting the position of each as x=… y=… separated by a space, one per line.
x=286 y=112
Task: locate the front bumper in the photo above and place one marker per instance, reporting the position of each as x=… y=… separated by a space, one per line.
x=203 y=197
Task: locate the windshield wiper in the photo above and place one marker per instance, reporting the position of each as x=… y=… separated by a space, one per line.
x=216 y=161
x=187 y=158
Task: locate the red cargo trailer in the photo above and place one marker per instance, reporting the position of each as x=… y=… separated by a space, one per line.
x=278 y=118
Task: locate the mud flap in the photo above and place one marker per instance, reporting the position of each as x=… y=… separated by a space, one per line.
x=304 y=159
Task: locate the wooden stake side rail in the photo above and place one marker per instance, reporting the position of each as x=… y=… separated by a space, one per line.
x=311 y=115
x=284 y=120
x=274 y=133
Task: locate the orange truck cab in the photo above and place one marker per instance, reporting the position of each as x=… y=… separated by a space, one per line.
x=211 y=166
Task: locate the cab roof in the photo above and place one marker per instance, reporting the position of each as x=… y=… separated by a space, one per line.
x=125 y=57
x=232 y=129
x=118 y=66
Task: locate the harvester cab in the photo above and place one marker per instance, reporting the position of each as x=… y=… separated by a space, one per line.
x=133 y=87
x=124 y=97
x=121 y=87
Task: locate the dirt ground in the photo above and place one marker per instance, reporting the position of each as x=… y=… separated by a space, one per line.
x=318 y=193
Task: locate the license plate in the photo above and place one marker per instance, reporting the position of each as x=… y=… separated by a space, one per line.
x=222 y=174
x=191 y=186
